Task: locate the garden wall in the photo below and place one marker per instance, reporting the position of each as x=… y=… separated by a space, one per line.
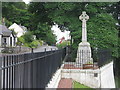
x=107 y=76
x=97 y=78
x=55 y=79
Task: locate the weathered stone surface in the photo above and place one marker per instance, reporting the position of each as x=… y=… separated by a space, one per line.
x=84 y=54
x=97 y=78
x=84 y=49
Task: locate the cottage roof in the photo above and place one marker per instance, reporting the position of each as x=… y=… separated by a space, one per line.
x=4 y=31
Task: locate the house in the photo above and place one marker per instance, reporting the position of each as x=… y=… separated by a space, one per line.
x=18 y=29
x=7 y=39
x=61 y=40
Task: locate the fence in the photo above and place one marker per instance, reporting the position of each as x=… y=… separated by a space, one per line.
x=117 y=72
x=102 y=56
x=30 y=70
x=99 y=58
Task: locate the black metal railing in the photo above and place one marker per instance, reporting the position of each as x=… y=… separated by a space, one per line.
x=117 y=72
x=98 y=58
x=102 y=56
x=30 y=70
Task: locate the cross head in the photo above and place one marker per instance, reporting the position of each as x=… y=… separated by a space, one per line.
x=84 y=16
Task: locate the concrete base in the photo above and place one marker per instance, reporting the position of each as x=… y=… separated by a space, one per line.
x=84 y=54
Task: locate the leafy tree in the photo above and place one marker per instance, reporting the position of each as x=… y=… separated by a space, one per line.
x=45 y=33
x=28 y=40
x=50 y=38
x=63 y=44
x=16 y=12
x=114 y=9
x=102 y=31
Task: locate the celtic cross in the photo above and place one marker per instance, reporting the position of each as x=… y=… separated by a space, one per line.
x=84 y=17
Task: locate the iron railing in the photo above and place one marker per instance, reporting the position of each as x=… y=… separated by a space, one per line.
x=30 y=70
x=98 y=58
x=117 y=72
x=102 y=56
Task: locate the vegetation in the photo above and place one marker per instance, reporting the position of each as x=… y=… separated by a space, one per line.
x=17 y=12
x=39 y=18
x=28 y=40
x=45 y=33
x=102 y=31
x=78 y=85
x=63 y=44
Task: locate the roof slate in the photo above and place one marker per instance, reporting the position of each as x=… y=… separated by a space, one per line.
x=4 y=31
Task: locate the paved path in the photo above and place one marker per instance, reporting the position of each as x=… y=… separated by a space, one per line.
x=42 y=49
x=48 y=48
x=65 y=83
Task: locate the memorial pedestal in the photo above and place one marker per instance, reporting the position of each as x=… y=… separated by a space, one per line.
x=84 y=54
x=84 y=49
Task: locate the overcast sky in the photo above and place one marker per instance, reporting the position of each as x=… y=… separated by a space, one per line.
x=60 y=34
x=26 y=1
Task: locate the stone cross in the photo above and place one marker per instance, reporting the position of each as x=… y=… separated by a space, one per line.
x=84 y=17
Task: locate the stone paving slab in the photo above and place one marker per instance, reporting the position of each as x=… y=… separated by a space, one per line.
x=65 y=83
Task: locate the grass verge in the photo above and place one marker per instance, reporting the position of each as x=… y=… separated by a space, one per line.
x=77 y=85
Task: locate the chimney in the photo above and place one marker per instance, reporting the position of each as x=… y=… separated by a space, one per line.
x=3 y=21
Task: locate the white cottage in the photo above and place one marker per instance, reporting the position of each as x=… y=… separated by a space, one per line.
x=7 y=39
x=20 y=30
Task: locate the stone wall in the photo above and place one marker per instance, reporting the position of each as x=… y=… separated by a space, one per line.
x=55 y=80
x=102 y=77
x=107 y=76
x=86 y=77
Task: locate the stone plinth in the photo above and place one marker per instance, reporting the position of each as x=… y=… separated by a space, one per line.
x=84 y=54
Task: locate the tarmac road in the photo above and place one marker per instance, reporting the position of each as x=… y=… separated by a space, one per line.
x=48 y=48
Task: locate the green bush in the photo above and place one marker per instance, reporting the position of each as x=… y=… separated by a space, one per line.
x=63 y=44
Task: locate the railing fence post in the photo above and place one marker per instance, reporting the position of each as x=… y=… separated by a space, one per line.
x=1 y=59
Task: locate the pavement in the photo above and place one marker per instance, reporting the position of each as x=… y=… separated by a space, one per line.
x=48 y=48
x=65 y=83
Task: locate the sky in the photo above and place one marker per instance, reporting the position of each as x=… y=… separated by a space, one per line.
x=26 y=1
x=60 y=34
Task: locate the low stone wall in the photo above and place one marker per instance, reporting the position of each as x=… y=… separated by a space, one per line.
x=102 y=77
x=1 y=49
x=107 y=76
x=21 y=49
x=55 y=80
x=86 y=77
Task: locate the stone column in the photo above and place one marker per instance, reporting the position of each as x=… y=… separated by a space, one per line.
x=84 y=49
x=84 y=17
